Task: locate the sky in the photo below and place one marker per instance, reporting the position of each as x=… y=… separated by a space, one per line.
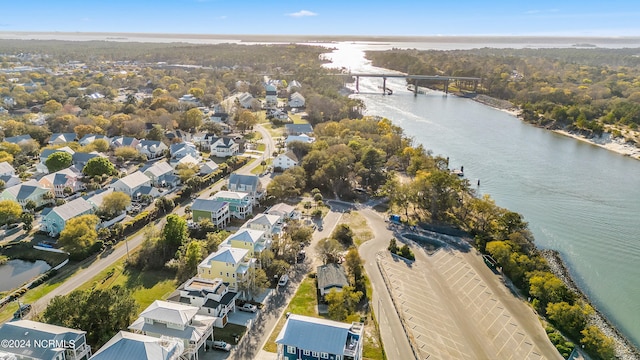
x=328 y=17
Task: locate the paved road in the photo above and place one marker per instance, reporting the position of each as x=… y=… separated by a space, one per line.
x=394 y=339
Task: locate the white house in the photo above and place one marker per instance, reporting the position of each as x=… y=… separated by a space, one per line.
x=163 y=318
x=33 y=338
x=180 y=150
x=220 y=146
x=284 y=211
x=302 y=138
x=131 y=183
x=6 y=169
x=271 y=95
x=208 y=167
x=161 y=174
x=151 y=149
x=286 y=160
x=211 y=296
x=246 y=183
x=296 y=100
x=140 y=347
x=245 y=99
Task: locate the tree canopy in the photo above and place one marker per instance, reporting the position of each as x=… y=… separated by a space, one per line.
x=58 y=160
x=79 y=234
x=10 y=211
x=99 y=166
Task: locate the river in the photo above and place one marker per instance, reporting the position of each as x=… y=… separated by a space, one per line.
x=578 y=198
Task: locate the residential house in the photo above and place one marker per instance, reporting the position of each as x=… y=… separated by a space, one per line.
x=62 y=138
x=240 y=204
x=177 y=134
x=120 y=141
x=187 y=160
x=220 y=115
x=131 y=183
x=80 y=160
x=10 y=180
x=144 y=191
x=270 y=224
x=35 y=339
x=298 y=129
x=89 y=138
x=293 y=86
x=55 y=220
x=18 y=139
x=23 y=192
x=271 y=95
x=180 y=150
x=245 y=100
x=220 y=146
x=41 y=167
x=331 y=277
x=161 y=174
x=285 y=211
x=189 y=99
x=163 y=318
x=211 y=296
x=296 y=100
x=6 y=169
x=252 y=240
x=228 y=263
x=208 y=167
x=152 y=149
x=247 y=183
x=9 y=102
x=140 y=347
x=309 y=338
x=96 y=198
x=60 y=180
x=214 y=210
x=285 y=161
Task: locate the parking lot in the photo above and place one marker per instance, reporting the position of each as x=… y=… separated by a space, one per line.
x=451 y=312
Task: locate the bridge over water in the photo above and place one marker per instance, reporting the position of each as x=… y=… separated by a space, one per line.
x=446 y=79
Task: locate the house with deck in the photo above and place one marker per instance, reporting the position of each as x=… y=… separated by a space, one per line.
x=211 y=296
x=61 y=180
x=169 y=319
x=254 y=241
x=54 y=221
x=271 y=95
x=284 y=211
x=285 y=161
x=229 y=264
x=151 y=149
x=305 y=337
x=220 y=146
x=270 y=224
x=246 y=183
x=131 y=183
x=140 y=347
x=240 y=204
x=296 y=100
x=29 y=190
x=216 y=211
x=161 y=174
x=43 y=342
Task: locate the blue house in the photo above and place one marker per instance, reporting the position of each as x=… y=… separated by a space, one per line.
x=308 y=338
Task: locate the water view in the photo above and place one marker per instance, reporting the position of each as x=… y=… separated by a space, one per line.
x=579 y=199
x=17 y=272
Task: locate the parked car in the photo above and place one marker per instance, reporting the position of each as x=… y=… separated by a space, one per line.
x=22 y=311
x=221 y=345
x=284 y=279
x=248 y=308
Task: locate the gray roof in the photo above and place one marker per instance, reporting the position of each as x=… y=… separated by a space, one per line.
x=32 y=330
x=17 y=139
x=98 y=196
x=123 y=141
x=245 y=180
x=280 y=209
x=247 y=235
x=81 y=157
x=64 y=137
x=331 y=275
x=93 y=137
x=6 y=168
x=158 y=168
x=171 y=312
x=73 y=208
x=126 y=345
x=47 y=152
x=24 y=190
x=226 y=255
x=61 y=177
x=135 y=179
x=264 y=219
x=299 y=128
x=314 y=334
x=208 y=205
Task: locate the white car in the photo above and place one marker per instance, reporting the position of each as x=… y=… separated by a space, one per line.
x=284 y=279
x=221 y=345
x=248 y=308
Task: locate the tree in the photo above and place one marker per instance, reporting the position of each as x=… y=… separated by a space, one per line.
x=195 y=252
x=67 y=191
x=191 y=119
x=245 y=120
x=214 y=239
x=329 y=250
x=196 y=92
x=30 y=205
x=283 y=187
x=99 y=166
x=10 y=212
x=343 y=303
x=79 y=235
x=27 y=221
x=100 y=145
x=127 y=152
x=156 y=133
x=353 y=263
x=253 y=283
x=597 y=343
x=58 y=161
x=6 y=157
x=174 y=234
x=164 y=204
x=13 y=149
x=569 y=318
x=343 y=234
x=100 y=312
x=51 y=107
x=114 y=204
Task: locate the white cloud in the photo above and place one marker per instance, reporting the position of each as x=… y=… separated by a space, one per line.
x=302 y=13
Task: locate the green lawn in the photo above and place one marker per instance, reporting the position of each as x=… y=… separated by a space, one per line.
x=262 y=147
x=146 y=287
x=260 y=169
x=297 y=119
x=358 y=224
x=303 y=303
x=24 y=250
x=275 y=131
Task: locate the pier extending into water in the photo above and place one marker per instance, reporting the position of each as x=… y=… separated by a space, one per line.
x=446 y=79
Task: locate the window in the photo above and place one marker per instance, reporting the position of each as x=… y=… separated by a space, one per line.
x=314 y=354
x=307 y=352
x=338 y=357
x=291 y=349
x=234 y=275
x=324 y=355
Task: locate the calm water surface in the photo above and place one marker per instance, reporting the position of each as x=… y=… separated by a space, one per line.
x=17 y=272
x=579 y=199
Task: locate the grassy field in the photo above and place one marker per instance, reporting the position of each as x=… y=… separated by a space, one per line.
x=358 y=224
x=24 y=251
x=32 y=295
x=228 y=333
x=303 y=303
x=146 y=287
x=297 y=119
x=260 y=169
x=275 y=131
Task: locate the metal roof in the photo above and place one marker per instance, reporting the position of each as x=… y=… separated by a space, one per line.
x=170 y=312
x=135 y=179
x=208 y=205
x=73 y=208
x=33 y=330
x=247 y=235
x=314 y=334
x=126 y=345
